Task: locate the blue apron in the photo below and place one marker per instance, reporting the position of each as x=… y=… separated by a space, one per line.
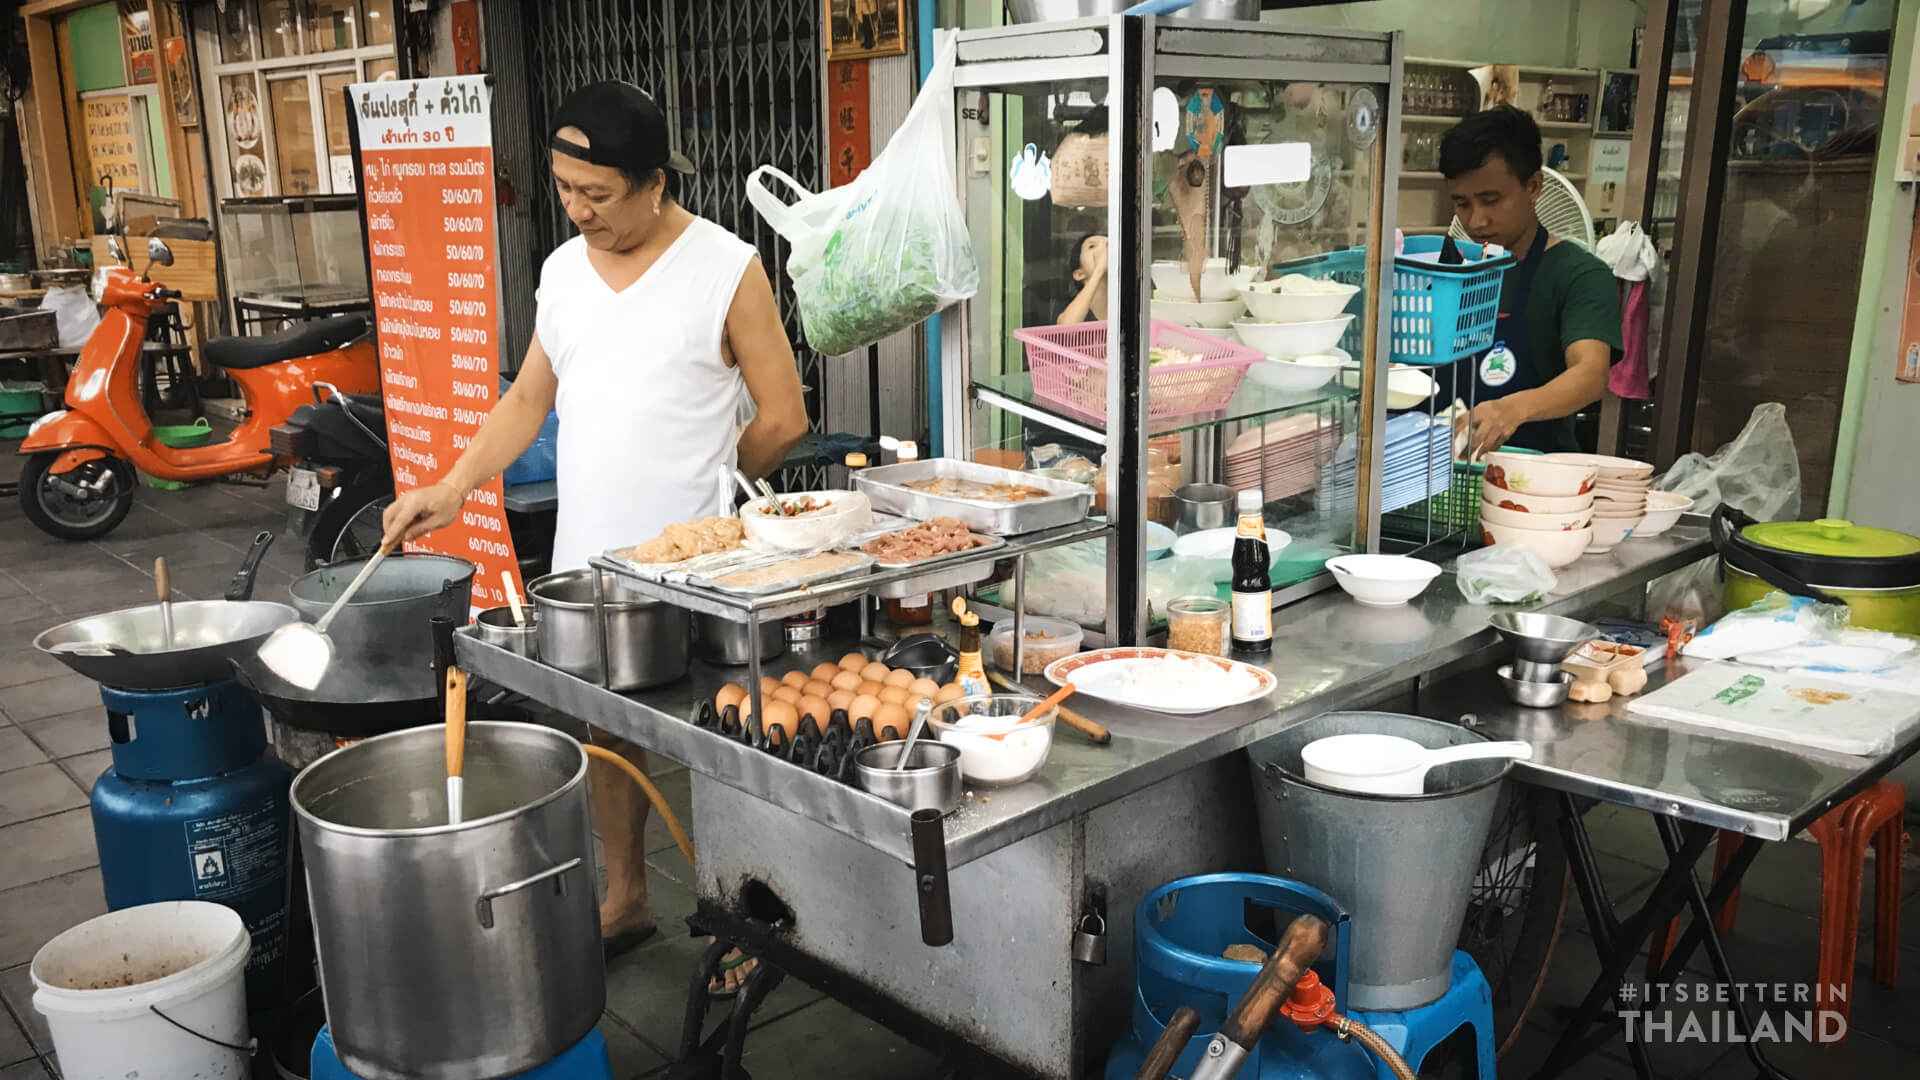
x=1498 y=371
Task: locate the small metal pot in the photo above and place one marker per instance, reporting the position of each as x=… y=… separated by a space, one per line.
x=1203 y=506
x=495 y=626
x=719 y=640
x=931 y=780
x=647 y=640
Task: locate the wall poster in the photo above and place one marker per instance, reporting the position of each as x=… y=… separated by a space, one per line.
x=425 y=153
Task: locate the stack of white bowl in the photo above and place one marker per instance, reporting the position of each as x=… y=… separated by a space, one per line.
x=1546 y=506
x=1297 y=321
x=1214 y=310
x=1619 y=495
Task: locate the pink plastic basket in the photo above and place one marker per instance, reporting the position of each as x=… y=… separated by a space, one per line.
x=1069 y=368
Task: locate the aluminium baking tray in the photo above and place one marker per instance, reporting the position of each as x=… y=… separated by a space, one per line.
x=885 y=485
x=862 y=566
x=939 y=574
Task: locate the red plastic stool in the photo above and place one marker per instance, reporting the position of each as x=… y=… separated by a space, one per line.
x=1872 y=817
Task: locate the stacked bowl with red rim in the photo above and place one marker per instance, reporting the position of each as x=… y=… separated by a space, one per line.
x=1546 y=506
x=1619 y=495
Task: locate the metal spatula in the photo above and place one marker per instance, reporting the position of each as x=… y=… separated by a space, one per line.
x=300 y=652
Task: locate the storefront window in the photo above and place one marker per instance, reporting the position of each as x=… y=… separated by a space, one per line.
x=293 y=135
x=381 y=71
x=279 y=28
x=380 y=22
x=330 y=25
x=333 y=102
x=235 y=29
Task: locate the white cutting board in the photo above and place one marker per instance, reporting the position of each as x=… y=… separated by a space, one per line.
x=1784 y=706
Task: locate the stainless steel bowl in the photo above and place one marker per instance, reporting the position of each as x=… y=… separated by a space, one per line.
x=495 y=626
x=931 y=780
x=1542 y=638
x=207 y=636
x=928 y=656
x=647 y=641
x=1032 y=11
x=1534 y=695
x=1204 y=506
x=1529 y=671
x=720 y=640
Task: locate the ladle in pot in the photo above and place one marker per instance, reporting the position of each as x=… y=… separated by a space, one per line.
x=913 y=733
x=300 y=652
x=456 y=744
x=163 y=591
x=513 y=598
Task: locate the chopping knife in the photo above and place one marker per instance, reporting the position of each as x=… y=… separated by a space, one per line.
x=1300 y=946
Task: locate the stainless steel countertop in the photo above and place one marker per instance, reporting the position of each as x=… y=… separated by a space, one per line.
x=1764 y=789
x=1329 y=653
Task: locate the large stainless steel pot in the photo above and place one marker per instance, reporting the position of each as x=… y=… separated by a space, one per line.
x=453 y=952
x=646 y=640
x=1033 y=11
x=719 y=640
x=387 y=628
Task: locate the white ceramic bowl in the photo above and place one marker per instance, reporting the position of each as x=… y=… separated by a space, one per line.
x=1171 y=277
x=1406 y=386
x=1609 y=531
x=1292 y=339
x=1202 y=314
x=1613 y=503
x=1533 y=474
x=1663 y=509
x=847 y=513
x=1491 y=492
x=1270 y=302
x=1610 y=468
x=1555 y=548
x=1300 y=374
x=1527 y=519
x=1382 y=580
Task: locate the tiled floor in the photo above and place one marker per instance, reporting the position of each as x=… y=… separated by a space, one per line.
x=53 y=744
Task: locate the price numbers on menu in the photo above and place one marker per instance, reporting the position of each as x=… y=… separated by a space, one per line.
x=463 y=224
x=461 y=197
x=461 y=279
x=465 y=253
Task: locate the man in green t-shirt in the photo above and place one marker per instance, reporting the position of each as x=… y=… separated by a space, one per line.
x=1559 y=329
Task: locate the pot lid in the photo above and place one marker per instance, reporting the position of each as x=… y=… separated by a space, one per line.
x=1831 y=537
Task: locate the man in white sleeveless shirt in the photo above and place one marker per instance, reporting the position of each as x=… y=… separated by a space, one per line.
x=652 y=327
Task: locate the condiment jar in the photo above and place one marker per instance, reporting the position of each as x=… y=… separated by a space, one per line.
x=1199 y=624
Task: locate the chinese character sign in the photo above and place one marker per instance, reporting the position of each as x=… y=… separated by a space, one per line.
x=849 y=136
x=425 y=155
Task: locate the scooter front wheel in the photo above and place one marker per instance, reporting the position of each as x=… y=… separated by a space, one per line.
x=83 y=503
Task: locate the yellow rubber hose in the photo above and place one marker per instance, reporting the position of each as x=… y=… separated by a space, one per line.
x=658 y=800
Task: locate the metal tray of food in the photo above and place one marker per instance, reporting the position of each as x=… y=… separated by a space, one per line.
x=886 y=487
x=949 y=571
x=864 y=564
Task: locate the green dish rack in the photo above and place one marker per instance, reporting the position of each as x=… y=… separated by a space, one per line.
x=1455 y=510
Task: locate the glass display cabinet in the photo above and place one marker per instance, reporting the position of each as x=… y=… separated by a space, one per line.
x=294 y=249
x=1107 y=167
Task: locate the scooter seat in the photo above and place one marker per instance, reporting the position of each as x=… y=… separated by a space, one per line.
x=306 y=339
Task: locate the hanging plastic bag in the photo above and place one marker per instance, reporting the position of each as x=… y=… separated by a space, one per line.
x=891 y=248
x=1759 y=473
x=74 y=313
x=1503 y=574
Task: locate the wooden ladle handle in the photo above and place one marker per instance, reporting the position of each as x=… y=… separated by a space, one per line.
x=162 y=584
x=456 y=720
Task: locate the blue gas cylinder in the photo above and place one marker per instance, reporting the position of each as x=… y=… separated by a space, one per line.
x=1180 y=931
x=194 y=808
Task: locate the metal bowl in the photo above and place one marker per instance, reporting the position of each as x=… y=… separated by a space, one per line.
x=1534 y=695
x=931 y=780
x=207 y=636
x=495 y=626
x=1542 y=638
x=1528 y=671
x=928 y=656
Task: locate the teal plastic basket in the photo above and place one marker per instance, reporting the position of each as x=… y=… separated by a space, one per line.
x=1440 y=313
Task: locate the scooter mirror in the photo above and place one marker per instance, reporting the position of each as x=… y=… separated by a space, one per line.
x=158 y=252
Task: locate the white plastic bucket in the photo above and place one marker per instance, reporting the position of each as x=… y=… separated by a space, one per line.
x=100 y=983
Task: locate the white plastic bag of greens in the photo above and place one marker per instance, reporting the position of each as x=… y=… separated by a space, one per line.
x=883 y=253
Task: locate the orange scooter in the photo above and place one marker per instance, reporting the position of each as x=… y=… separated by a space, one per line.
x=78 y=479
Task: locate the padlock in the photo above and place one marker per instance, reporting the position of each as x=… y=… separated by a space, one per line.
x=1090 y=941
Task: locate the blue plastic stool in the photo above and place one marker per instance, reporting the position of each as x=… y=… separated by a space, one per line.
x=1179 y=932
x=1415 y=1032
x=587 y=1060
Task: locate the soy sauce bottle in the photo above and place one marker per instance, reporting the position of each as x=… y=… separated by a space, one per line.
x=1252 y=588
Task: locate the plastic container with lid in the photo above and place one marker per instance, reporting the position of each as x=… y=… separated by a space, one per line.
x=1047 y=640
x=1199 y=624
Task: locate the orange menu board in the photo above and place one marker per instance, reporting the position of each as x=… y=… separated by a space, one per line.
x=424 y=153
